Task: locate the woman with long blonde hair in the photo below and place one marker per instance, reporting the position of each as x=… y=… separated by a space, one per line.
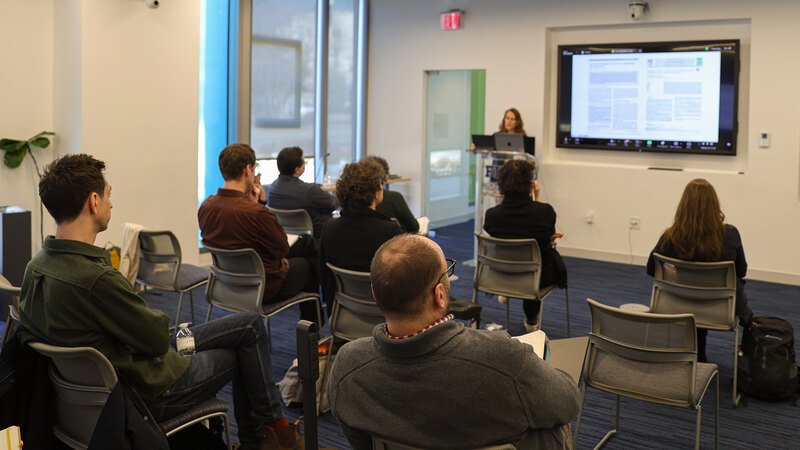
x=699 y=233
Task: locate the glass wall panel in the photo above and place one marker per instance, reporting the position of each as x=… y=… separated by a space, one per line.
x=282 y=76
x=341 y=85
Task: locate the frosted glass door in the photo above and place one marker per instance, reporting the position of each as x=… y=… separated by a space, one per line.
x=447 y=133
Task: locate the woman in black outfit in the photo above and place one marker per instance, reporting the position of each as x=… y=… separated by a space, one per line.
x=522 y=216
x=699 y=233
x=394 y=205
x=351 y=241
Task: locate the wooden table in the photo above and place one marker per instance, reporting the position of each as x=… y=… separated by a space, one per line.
x=332 y=187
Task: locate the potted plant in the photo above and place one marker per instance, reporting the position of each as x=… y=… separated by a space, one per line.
x=15 y=152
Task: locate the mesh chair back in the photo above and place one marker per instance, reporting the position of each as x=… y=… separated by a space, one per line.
x=9 y=294
x=355 y=312
x=651 y=357
x=237 y=280
x=82 y=379
x=294 y=221
x=508 y=267
x=708 y=290
x=159 y=259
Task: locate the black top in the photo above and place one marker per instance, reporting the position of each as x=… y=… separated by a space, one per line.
x=350 y=242
x=520 y=217
x=289 y=192
x=732 y=250
x=395 y=206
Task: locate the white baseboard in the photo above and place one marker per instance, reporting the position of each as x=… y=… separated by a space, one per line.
x=641 y=260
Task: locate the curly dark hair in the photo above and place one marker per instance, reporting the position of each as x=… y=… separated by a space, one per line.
x=358 y=185
x=381 y=162
x=516 y=177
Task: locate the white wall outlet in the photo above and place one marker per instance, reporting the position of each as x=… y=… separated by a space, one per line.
x=763 y=139
x=634 y=222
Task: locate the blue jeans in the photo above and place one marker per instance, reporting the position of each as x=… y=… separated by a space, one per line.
x=233 y=348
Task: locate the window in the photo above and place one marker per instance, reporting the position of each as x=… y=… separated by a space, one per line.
x=263 y=86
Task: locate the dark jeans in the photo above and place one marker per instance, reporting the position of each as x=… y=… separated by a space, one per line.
x=300 y=278
x=233 y=348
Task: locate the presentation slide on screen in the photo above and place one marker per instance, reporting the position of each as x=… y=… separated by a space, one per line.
x=656 y=96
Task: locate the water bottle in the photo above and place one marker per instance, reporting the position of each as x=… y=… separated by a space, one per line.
x=184 y=340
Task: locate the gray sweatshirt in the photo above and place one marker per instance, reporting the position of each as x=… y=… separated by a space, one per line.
x=450 y=387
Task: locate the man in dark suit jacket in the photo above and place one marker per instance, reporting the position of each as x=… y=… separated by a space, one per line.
x=290 y=192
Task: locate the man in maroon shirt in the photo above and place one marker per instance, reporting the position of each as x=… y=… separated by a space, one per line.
x=235 y=218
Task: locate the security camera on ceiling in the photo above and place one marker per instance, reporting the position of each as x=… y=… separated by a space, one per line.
x=637 y=8
x=151 y=3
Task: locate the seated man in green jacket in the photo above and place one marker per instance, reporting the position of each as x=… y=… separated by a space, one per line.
x=71 y=298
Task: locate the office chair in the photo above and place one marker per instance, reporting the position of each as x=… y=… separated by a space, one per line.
x=705 y=289
x=647 y=357
x=83 y=379
x=160 y=267
x=512 y=268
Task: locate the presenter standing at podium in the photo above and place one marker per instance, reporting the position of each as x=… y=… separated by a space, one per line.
x=512 y=123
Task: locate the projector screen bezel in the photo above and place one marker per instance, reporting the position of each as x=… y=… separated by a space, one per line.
x=730 y=65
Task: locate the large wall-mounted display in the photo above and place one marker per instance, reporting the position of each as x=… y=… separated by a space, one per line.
x=665 y=97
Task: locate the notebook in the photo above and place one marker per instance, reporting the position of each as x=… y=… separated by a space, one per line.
x=537 y=340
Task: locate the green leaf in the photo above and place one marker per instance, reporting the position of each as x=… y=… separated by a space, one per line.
x=13 y=158
x=40 y=142
x=11 y=144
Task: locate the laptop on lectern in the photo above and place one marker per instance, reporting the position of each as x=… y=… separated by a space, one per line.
x=509 y=142
x=483 y=142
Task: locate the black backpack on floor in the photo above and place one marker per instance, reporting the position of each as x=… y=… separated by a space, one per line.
x=767 y=367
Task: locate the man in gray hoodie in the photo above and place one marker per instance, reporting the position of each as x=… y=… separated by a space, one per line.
x=424 y=380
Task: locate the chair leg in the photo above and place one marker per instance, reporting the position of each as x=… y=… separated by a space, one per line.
x=580 y=416
x=566 y=301
x=7 y=330
x=612 y=431
x=269 y=332
x=191 y=306
x=227 y=432
x=736 y=396
x=716 y=417
x=697 y=421
x=178 y=312
x=208 y=314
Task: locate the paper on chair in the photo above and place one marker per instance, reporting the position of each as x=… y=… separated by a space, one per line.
x=424 y=223
x=292 y=238
x=11 y=439
x=537 y=340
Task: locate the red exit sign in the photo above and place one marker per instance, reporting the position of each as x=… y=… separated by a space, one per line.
x=451 y=20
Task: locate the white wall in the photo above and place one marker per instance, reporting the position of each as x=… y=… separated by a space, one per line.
x=115 y=79
x=139 y=106
x=514 y=41
x=26 y=92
